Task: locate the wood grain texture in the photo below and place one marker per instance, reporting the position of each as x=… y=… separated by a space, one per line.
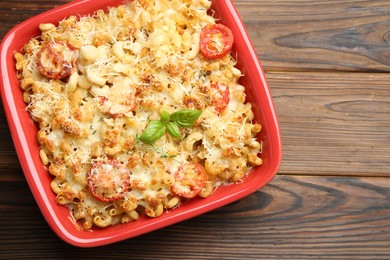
x=319 y=35
x=332 y=217
x=333 y=123
x=289 y=34
x=9 y=163
x=327 y=64
x=14 y=12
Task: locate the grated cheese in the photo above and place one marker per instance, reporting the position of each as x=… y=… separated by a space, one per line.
x=131 y=63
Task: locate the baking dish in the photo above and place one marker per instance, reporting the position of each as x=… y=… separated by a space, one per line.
x=23 y=130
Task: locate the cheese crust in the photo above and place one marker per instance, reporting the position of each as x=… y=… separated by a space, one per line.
x=93 y=83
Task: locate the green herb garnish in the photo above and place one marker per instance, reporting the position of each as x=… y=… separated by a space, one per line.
x=170 y=123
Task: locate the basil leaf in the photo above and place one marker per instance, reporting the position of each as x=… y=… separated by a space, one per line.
x=186 y=117
x=173 y=130
x=165 y=117
x=153 y=131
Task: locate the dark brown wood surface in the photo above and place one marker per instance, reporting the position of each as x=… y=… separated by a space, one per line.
x=327 y=64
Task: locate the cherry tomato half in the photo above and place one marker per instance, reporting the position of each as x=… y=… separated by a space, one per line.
x=216 y=40
x=108 y=180
x=56 y=60
x=220 y=96
x=190 y=179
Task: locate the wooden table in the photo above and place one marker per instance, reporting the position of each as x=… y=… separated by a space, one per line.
x=328 y=64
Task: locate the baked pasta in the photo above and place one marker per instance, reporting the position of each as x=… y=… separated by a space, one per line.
x=139 y=109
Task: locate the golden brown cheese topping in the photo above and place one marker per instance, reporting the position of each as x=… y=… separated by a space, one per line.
x=133 y=118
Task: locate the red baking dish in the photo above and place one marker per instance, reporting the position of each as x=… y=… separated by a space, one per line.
x=23 y=130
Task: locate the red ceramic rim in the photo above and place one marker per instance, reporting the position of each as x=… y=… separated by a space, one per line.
x=23 y=130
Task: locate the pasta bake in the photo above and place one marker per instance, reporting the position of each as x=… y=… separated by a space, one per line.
x=139 y=108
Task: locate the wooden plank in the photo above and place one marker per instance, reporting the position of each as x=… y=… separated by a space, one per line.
x=14 y=12
x=333 y=123
x=289 y=34
x=319 y=35
x=9 y=163
x=293 y=217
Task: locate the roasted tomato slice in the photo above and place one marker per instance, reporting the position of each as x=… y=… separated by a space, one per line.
x=189 y=180
x=108 y=180
x=220 y=96
x=56 y=60
x=216 y=40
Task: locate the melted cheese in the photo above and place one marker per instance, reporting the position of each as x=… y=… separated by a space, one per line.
x=133 y=62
